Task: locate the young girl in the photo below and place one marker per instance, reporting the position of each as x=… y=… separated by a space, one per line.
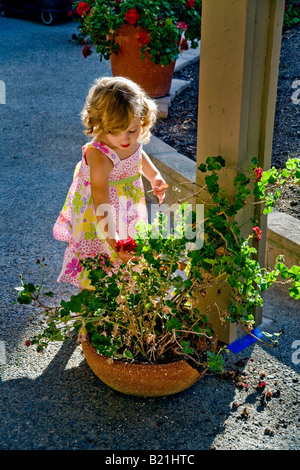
x=106 y=198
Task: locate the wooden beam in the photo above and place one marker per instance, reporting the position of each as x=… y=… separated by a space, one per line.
x=240 y=51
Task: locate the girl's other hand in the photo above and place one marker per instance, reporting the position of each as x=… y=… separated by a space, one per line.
x=159 y=187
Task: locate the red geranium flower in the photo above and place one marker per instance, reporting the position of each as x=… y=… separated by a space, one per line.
x=86 y=51
x=82 y=8
x=184 y=45
x=143 y=38
x=181 y=25
x=27 y=343
x=132 y=16
x=257 y=233
x=258 y=172
x=127 y=245
x=190 y=3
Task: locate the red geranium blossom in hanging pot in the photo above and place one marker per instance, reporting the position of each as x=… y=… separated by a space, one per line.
x=82 y=8
x=143 y=38
x=131 y=16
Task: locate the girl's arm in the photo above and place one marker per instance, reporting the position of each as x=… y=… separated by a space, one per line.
x=153 y=175
x=100 y=167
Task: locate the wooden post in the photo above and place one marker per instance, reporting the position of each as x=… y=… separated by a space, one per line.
x=240 y=51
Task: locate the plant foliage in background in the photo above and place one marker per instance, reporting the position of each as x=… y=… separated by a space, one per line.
x=291 y=14
x=163 y=24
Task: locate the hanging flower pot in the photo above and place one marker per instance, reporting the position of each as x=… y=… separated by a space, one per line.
x=155 y=79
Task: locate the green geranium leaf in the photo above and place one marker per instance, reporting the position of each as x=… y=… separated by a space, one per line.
x=295 y=291
x=294 y=273
x=202 y=167
x=173 y=324
x=49 y=294
x=212 y=183
x=187 y=349
x=282 y=269
x=210 y=261
x=215 y=163
x=128 y=354
x=24 y=298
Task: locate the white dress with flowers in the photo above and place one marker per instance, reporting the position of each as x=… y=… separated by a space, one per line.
x=77 y=222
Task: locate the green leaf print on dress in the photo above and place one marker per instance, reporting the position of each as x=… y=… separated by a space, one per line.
x=77 y=202
x=92 y=234
x=86 y=224
x=130 y=191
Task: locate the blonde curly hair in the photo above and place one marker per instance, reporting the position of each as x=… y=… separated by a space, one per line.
x=112 y=103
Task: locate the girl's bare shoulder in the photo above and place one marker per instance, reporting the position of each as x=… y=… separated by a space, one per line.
x=96 y=159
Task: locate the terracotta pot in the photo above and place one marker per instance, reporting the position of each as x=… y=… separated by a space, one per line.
x=155 y=79
x=146 y=380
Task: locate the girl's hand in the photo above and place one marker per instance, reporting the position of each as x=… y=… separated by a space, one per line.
x=159 y=187
x=123 y=254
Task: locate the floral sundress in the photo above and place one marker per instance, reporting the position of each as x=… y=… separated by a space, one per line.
x=77 y=221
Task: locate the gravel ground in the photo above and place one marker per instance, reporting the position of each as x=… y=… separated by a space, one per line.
x=54 y=401
x=180 y=128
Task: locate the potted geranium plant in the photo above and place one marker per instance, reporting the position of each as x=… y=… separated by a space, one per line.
x=141 y=38
x=140 y=329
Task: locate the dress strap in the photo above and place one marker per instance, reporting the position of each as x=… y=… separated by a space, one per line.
x=105 y=149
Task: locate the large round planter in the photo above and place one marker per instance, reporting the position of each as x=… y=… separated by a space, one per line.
x=155 y=79
x=145 y=380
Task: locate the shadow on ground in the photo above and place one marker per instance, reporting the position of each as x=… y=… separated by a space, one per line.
x=72 y=409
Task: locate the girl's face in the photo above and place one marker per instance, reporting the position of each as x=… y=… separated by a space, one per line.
x=127 y=138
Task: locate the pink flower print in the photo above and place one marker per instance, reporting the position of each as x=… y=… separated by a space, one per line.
x=61 y=219
x=73 y=267
x=103 y=148
x=86 y=183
